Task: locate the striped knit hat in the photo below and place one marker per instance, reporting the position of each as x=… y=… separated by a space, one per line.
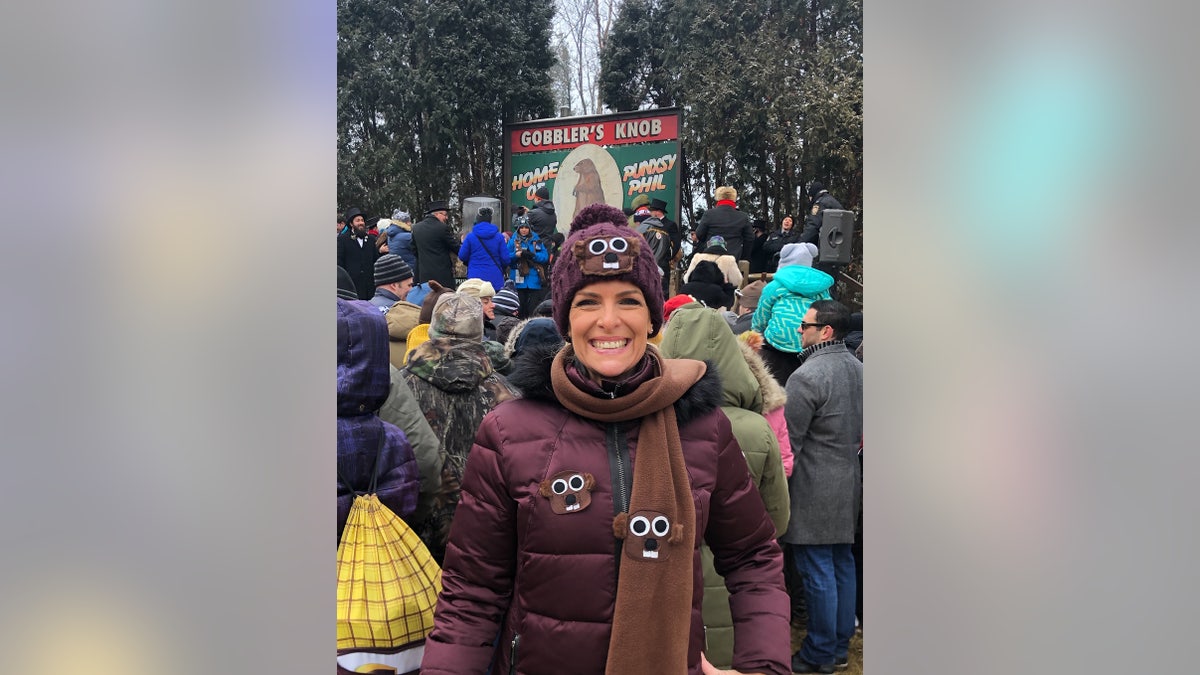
x=506 y=301
x=390 y=268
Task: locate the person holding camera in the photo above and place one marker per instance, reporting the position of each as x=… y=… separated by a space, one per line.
x=528 y=267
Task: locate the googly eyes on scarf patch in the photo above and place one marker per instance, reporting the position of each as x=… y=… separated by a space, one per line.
x=649 y=535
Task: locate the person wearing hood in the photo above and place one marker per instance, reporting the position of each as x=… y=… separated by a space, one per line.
x=576 y=546
x=369 y=450
x=781 y=308
x=542 y=217
x=530 y=258
x=717 y=252
x=455 y=386
x=484 y=250
x=356 y=253
x=696 y=332
x=399 y=237
x=530 y=333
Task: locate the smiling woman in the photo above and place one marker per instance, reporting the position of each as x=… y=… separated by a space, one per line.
x=584 y=503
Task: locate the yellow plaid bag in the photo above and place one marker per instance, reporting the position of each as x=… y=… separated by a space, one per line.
x=388 y=582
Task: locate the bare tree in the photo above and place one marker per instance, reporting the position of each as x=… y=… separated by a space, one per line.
x=582 y=26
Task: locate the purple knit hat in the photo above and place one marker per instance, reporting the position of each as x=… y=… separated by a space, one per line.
x=590 y=254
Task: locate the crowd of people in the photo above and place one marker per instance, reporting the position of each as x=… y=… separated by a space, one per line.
x=612 y=479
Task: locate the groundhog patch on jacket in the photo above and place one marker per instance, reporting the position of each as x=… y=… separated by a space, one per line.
x=568 y=491
x=648 y=535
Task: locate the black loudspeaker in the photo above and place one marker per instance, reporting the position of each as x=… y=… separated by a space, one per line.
x=837 y=236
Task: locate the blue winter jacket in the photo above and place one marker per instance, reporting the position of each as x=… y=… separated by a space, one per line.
x=784 y=302
x=400 y=243
x=532 y=245
x=485 y=254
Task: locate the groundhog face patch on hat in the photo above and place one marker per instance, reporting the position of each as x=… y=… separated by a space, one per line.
x=607 y=255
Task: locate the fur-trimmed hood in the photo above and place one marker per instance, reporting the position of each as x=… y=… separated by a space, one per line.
x=773 y=395
x=531 y=376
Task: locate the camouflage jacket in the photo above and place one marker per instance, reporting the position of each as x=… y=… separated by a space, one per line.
x=455 y=386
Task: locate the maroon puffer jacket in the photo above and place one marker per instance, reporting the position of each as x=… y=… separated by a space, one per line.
x=545 y=583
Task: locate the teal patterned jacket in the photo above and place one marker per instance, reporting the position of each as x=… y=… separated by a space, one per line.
x=784 y=302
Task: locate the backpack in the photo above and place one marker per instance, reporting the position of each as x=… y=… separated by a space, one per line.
x=660 y=245
x=388 y=585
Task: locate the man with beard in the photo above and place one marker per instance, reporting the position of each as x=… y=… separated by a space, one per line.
x=356 y=253
x=436 y=246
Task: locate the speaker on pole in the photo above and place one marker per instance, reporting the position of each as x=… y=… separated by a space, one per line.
x=837 y=236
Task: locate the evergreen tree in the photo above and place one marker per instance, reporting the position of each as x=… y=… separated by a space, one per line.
x=424 y=89
x=771 y=93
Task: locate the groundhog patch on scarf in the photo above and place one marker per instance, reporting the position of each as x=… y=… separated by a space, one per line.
x=649 y=535
x=568 y=491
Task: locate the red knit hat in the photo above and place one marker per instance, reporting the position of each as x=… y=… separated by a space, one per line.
x=675 y=303
x=602 y=247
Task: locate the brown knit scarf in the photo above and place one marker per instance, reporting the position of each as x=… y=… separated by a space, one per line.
x=652 y=618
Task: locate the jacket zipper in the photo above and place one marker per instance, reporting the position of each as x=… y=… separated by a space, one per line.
x=512 y=657
x=617 y=466
x=622 y=485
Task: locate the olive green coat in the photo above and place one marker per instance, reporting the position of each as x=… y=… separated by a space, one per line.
x=696 y=332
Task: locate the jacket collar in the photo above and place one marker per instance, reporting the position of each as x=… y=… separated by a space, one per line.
x=828 y=346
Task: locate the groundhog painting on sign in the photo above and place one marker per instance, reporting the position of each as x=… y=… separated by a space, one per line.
x=587 y=190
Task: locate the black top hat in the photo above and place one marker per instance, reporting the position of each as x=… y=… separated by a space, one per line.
x=658 y=205
x=435 y=205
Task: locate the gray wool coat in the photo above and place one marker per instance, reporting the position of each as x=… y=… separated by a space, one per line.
x=825 y=421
